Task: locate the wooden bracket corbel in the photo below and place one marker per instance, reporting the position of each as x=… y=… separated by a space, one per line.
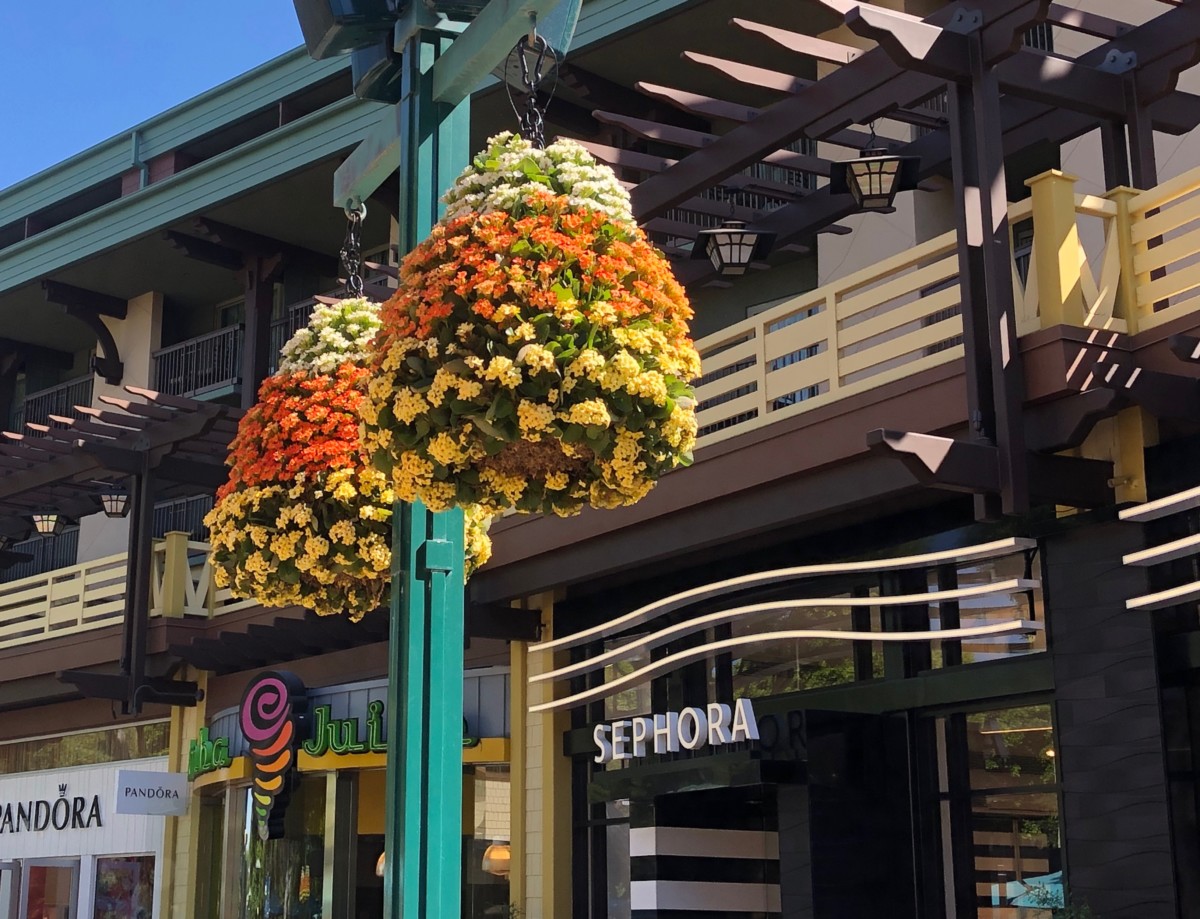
x=1164 y=395
x=1185 y=347
x=972 y=467
x=88 y=307
x=1066 y=423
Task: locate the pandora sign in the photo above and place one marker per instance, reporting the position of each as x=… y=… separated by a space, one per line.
x=690 y=729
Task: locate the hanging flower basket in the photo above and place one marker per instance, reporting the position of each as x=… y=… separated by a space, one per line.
x=537 y=353
x=303 y=519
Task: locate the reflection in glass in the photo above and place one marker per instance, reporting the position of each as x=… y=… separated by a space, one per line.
x=487 y=848
x=777 y=667
x=617 y=859
x=124 y=887
x=281 y=878
x=51 y=890
x=211 y=856
x=987 y=610
x=1016 y=836
x=1018 y=855
x=633 y=700
x=1011 y=747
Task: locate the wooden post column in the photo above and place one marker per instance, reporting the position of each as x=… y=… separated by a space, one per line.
x=994 y=379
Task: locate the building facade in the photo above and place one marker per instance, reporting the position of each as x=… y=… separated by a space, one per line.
x=891 y=644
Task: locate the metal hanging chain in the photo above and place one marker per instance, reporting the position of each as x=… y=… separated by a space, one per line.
x=351 y=254
x=531 y=118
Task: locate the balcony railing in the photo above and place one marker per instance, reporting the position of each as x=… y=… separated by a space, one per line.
x=902 y=315
x=294 y=318
x=182 y=515
x=57 y=400
x=88 y=596
x=204 y=366
x=46 y=554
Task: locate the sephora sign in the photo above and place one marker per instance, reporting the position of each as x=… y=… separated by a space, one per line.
x=691 y=729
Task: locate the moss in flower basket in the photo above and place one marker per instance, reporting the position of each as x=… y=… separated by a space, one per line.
x=537 y=353
x=303 y=519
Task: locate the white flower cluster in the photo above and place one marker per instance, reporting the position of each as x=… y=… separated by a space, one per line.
x=500 y=178
x=336 y=333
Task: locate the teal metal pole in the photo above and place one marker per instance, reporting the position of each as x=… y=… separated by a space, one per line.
x=423 y=841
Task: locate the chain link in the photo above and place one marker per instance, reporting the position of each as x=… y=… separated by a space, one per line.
x=532 y=118
x=351 y=254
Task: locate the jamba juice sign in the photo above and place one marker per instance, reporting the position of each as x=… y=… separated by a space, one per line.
x=273 y=716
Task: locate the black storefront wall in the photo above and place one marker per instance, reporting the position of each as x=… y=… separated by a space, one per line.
x=831 y=789
x=1109 y=718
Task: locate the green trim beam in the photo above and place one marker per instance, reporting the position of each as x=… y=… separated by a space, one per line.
x=256 y=163
x=244 y=95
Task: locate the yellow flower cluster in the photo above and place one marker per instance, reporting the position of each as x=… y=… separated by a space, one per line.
x=282 y=554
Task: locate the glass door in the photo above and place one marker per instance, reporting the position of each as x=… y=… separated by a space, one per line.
x=10 y=886
x=49 y=889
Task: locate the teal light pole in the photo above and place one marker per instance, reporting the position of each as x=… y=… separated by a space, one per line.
x=426 y=137
x=425 y=673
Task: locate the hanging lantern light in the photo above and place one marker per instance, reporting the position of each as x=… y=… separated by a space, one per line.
x=5 y=542
x=497 y=859
x=874 y=178
x=48 y=522
x=115 y=500
x=732 y=246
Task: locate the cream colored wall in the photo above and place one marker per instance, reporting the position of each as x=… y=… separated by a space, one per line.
x=541 y=805
x=177 y=899
x=138 y=336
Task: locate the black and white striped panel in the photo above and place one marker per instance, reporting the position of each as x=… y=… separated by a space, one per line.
x=680 y=871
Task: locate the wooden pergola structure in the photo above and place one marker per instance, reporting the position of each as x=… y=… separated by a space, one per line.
x=1001 y=98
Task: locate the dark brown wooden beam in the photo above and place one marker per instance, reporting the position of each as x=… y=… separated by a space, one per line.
x=250 y=243
x=203 y=250
x=684 y=137
x=798 y=43
x=70 y=296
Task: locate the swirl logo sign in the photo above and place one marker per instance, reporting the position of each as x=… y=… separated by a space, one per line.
x=273 y=714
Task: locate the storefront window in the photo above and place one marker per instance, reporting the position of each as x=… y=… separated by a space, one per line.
x=1016 y=839
x=778 y=667
x=487 y=851
x=617 y=856
x=988 y=610
x=281 y=878
x=132 y=741
x=124 y=887
x=634 y=700
x=210 y=855
x=51 y=888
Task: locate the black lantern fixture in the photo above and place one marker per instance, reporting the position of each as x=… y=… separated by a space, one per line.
x=874 y=178
x=115 y=500
x=48 y=522
x=732 y=246
x=5 y=542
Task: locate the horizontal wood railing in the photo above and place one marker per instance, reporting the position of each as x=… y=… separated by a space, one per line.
x=91 y=595
x=902 y=315
x=1164 y=233
x=874 y=326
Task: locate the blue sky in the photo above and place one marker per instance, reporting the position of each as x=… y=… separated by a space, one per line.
x=79 y=71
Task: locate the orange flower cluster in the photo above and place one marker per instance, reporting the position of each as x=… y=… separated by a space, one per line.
x=299 y=425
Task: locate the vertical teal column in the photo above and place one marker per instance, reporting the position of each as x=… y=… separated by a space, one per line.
x=423 y=865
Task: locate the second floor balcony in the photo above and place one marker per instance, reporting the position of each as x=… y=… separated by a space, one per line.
x=92 y=595
x=37 y=407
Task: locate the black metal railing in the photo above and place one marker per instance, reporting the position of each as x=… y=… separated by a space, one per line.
x=201 y=365
x=47 y=553
x=57 y=400
x=294 y=318
x=184 y=515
